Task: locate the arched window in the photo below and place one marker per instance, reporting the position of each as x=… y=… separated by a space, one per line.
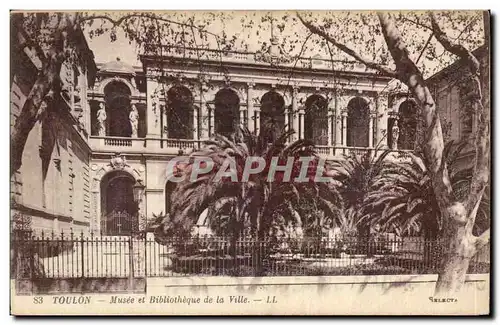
x=391 y=121
x=117 y=100
x=118 y=207
x=227 y=112
x=272 y=115
x=316 y=120
x=179 y=113
x=358 y=123
x=407 y=125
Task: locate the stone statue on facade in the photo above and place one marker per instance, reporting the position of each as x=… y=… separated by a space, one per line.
x=101 y=120
x=395 y=135
x=134 y=120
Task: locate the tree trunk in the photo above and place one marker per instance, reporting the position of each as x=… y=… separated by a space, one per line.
x=458 y=217
x=28 y=118
x=459 y=251
x=452 y=276
x=48 y=81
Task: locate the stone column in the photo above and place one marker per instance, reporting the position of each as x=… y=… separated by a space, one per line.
x=344 y=127
x=257 y=119
x=195 y=122
x=153 y=114
x=286 y=112
x=370 y=129
x=250 y=108
x=211 y=120
x=331 y=121
x=87 y=111
x=205 y=119
x=381 y=119
x=242 y=116
x=205 y=115
x=295 y=115
x=301 y=121
x=338 y=128
x=153 y=110
x=163 y=111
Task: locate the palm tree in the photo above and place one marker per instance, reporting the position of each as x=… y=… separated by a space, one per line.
x=402 y=198
x=257 y=205
x=355 y=175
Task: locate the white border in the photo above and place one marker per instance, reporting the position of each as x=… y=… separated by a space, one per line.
x=198 y=4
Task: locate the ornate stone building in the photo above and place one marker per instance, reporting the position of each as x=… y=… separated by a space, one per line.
x=183 y=98
x=133 y=120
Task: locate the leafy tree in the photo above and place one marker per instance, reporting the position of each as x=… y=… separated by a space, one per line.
x=458 y=214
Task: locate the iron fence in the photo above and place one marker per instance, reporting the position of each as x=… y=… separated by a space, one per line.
x=69 y=255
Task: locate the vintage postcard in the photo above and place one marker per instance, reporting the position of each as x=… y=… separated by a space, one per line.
x=250 y=163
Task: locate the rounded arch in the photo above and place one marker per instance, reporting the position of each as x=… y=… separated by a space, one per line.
x=227 y=111
x=117 y=98
x=105 y=82
x=407 y=113
x=272 y=115
x=98 y=211
x=396 y=103
x=180 y=112
x=118 y=206
x=316 y=119
x=240 y=90
x=103 y=171
x=358 y=122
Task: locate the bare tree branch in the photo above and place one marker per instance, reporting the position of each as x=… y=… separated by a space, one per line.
x=385 y=70
x=454 y=48
x=117 y=22
x=425 y=48
x=417 y=23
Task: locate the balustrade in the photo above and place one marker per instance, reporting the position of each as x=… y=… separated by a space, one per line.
x=182 y=143
x=188 y=145
x=119 y=142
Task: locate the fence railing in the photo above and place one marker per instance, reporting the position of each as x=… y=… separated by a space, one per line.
x=87 y=256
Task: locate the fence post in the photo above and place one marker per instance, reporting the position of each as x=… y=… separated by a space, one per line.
x=131 y=263
x=145 y=254
x=81 y=250
x=32 y=256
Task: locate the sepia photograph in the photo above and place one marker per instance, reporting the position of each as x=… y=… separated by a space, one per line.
x=250 y=162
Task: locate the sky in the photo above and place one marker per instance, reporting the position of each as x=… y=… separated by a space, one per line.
x=252 y=29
